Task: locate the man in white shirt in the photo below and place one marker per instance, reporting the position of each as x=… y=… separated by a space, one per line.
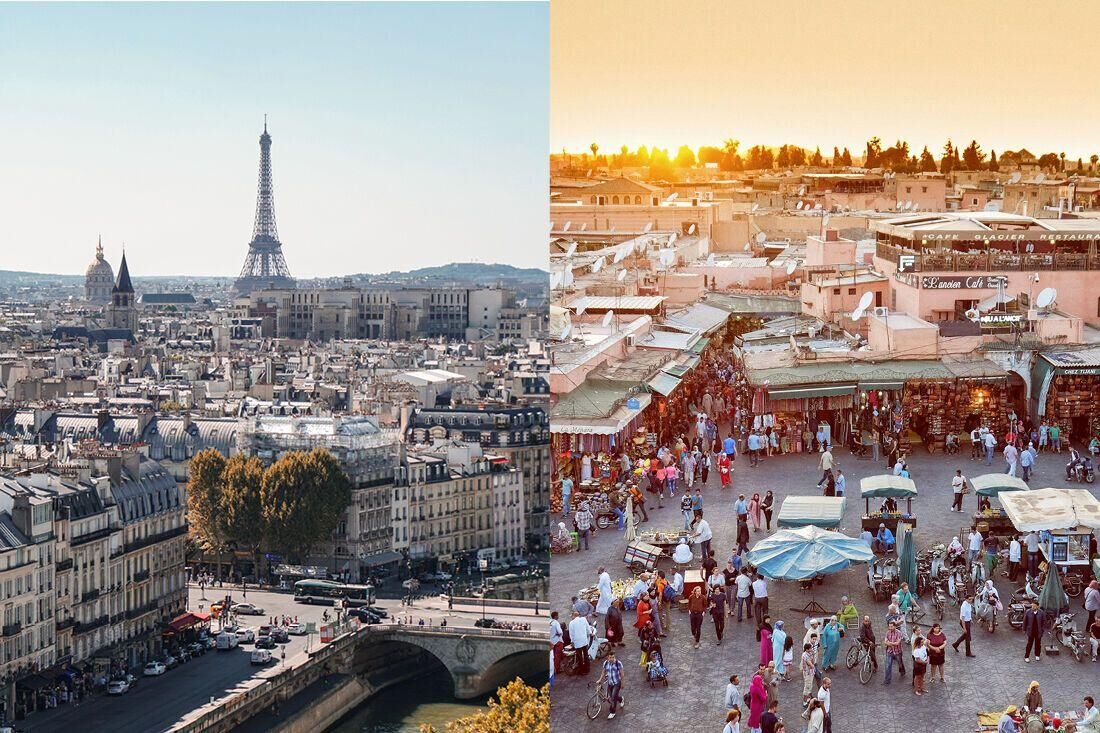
x=760 y=599
x=958 y=483
x=678 y=583
x=1090 y=719
x=1012 y=458
x=974 y=550
x=966 y=615
x=825 y=695
x=1015 y=553
x=702 y=535
x=975 y=443
x=580 y=636
x=1092 y=602
x=1031 y=541
x=744 y=585
x=989 y=440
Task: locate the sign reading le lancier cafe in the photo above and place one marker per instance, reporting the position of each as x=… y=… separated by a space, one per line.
x=941 y=282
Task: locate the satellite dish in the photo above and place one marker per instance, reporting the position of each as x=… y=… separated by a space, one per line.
x=801 y=190
x=748 y=246
x=711 y=259
x=817 y=206
x=1040 y=178
x=598 y=265
x=798 y=206
x=648 y=226
x=754 y=208
x=581 y=307
x=572 y=249
x=909 y=205
x=761 y=237
x=973 y=314
x=825 y=221
x=566 y=331
x=691 y=229
x=567 y=225
x=865 y=302
x=1015 y=177
x=584 y=226
x=672 y=197
x=607 y=318
x=641 y=246
x=555 y=280
x=791 y=267
x=672 y=239
x=621 y=253
x=567 y=279
x=1046 y=297
x=857 y=314
x=621 y=276
x=667 y=257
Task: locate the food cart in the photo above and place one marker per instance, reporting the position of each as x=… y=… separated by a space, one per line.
x=884 y=487
x=994 y=520
x=666 y=539
x=641 y=556
x=801 y=511
x=1065 y=520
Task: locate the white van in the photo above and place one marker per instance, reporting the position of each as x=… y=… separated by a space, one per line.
x=261 y=656
x=227 y=641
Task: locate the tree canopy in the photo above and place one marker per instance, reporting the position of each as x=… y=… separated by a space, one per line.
x=519 y=709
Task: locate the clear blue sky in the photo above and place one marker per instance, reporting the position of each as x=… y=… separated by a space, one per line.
x=404 y=135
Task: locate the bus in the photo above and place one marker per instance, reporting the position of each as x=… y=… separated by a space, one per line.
x=329 y=592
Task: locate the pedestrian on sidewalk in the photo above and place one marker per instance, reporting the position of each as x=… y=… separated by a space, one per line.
x=958 y=488
x=966 y=616
x=894 y=655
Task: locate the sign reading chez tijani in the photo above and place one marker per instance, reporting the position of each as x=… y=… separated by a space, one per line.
x=965 y=282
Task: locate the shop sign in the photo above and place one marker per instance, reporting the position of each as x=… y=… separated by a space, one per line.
x=1084 y=372
x=633 y=404
x=1008 y=237
x=965 y=282
x=997 y=319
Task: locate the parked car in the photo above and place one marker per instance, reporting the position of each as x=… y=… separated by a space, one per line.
x=261 y=656
x=265 y=642
x=382 y=613
x=171 y=662
x=183 y=655
x=118 y=687
x=209 y=642
x=245 y=636
x=411 y=584
x=520 y=562
x=155 y=669
x=227 y=641
x=248 y=609
x=280 y=635
x=365 y=616
x=296 y=629
x=230 y=627
x=197 y=649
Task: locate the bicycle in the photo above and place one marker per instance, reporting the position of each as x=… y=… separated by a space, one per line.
x=599 y=697
x=860 y=655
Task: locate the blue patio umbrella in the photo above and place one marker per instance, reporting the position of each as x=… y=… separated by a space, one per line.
x=806 y=552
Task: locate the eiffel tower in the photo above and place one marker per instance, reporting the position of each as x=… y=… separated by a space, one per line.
x=264 y=267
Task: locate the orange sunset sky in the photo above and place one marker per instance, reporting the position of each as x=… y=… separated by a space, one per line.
x=1010 y=73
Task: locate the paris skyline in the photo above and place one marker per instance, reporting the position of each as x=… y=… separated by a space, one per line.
x=386 y=156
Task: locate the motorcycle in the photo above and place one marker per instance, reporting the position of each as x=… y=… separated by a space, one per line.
x=986 y=613
x=939 y=600
x=1065 y=631
x=1083 y=472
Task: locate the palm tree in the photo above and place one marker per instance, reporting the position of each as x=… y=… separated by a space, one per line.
x=730 y=146
x=1093 y=159
x=594 y=148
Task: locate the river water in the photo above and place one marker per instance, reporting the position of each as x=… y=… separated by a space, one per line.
x=402 y=709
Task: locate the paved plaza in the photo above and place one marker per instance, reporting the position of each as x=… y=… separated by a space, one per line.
x=697 y=678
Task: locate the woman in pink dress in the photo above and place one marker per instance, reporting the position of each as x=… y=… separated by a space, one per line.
x=758 y=696
x=754 y=511
x=765 y=646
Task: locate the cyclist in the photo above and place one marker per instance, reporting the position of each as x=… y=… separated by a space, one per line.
x=867 y=639
x=612 y=674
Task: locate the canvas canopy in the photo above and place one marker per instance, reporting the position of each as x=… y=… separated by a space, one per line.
x=991 y=484
x=801 y=511
x=887 y=485
x=1052 y=509
x=807 y=552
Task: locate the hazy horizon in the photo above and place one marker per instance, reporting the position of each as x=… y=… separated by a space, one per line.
x=140 y=123
x=1007 y=73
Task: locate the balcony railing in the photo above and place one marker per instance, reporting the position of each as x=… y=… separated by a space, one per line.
x=154 y=539
x=89 y=596
x=62 y=625
x=991 y=261
x=141 y=576
x=65 y=564
x=84 y=539
x=12 y=629
x=85 y=627
x=141 y=610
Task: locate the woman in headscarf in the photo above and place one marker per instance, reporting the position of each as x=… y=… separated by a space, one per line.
x=758 y=698
x=644 y=611
x=771 y=682
x=562 y=540
x=754 y=511
x=586 y=467
x=848 y=613
x=990 y=595
x=830 y=644
x=1034 y=699
x=955 y=552
x=607 y=595
x=765 y=645
x=766 y=506
x=893 y=613
x=779 y=638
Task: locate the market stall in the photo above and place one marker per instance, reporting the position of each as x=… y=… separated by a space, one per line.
x=801 y=511
x=1065 y=520
x=887 y=487
x=990 y=519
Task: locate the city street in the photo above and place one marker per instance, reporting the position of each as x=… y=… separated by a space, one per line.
x=155 y=703
x=698 y=678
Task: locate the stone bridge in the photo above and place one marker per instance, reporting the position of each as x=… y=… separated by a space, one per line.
x=479 y=660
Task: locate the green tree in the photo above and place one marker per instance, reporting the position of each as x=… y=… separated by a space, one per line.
x=685 y=157
x=927 y=163
x=731 y=161
x=1048 y=161
x=973 y=156
x=846 y=157
x=871 y=155
x=816 y=159
x=947 y=162
x=759 y=158
x=204 y=502
x=519 y=708
x=993 y=165
x=660 y=167
x=1080 y=165
x=242 y=505
x=836 y=162
x=303 y=497
x=783 y=160
x=642 y=156
x=595 y=149
x=710 y=154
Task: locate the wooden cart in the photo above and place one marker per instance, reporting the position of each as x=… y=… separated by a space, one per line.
x=641 y=556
